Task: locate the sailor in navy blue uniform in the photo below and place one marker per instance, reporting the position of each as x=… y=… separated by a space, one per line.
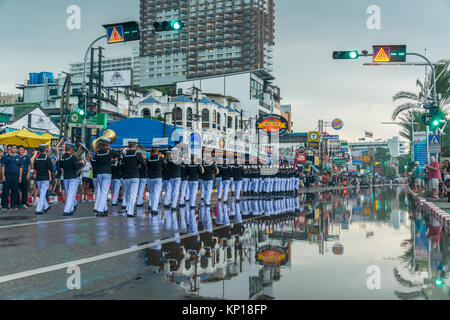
x=43 y=166
x=12 y=169
x=142 y=184
x=155 y=168
x=103 y=159
x=194 y=171
x=132 y=159
x=238 y=175
x=173 y=170
x=210 y=169
x=70 y=166
x=116 y=179
x=224 y=185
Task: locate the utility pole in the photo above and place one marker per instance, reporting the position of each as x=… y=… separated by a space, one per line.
x=197 y=90
x=99 y=82
x=69 y=77
x=61 y=108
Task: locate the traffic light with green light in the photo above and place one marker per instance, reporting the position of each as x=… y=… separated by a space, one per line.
x=438 y=121
x=173 y=25
x=81 y=112
x=338 y=55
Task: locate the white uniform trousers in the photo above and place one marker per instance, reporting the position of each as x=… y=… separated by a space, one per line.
x=201 y=184
x=132 y=187
x=142 y=184
x=193 y=189
x=208 y=188
x=71 y=186
x=238 y=188
x=219 y=187
x=226 y=189
x=184 y=191
x=103 y=184
x=42 y=203
x=155 y=188
x=245 y=182
x=172 y=192
x=115 y=186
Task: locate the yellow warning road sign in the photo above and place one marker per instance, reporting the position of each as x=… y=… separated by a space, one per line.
x=115 y=34
x=382 y=54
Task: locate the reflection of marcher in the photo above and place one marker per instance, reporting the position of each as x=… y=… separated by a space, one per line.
x=418 y=177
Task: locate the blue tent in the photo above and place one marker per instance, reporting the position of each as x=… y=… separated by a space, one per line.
x=144 y=130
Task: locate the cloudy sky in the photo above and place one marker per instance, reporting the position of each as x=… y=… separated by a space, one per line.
x=35 y=38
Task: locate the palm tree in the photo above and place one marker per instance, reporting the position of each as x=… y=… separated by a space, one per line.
x=413 y=101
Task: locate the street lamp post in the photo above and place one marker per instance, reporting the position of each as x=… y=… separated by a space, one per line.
x=84 y=88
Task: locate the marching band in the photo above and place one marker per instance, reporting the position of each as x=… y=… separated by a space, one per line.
x=130 y=171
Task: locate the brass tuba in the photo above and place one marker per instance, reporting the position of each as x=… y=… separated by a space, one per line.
x=108 y=133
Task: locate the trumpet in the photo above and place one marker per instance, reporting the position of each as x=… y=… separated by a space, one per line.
x=109 y=134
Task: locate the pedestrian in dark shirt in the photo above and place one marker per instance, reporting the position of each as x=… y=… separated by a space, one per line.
x=24 y=184
x=12 y=169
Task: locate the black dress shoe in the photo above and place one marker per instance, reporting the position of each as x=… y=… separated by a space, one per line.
x=130 y=215
x=114 y=205
x=45 y=211
x=39 y=213
x=154 y=213
x=139 y=205
x=123 y=207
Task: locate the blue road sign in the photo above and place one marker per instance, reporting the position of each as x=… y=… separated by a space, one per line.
x=420 y=147
x=434 y=143
x=195 y=141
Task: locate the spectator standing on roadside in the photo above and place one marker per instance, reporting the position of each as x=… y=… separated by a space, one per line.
x=434 y=177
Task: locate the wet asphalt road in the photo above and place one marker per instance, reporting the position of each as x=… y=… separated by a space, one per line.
x=29 y=243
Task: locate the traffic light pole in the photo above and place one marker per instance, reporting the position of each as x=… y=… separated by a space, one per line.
x=84 y=88
x=435 y=99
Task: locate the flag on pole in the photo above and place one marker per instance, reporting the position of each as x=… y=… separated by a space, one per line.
x=369 y=134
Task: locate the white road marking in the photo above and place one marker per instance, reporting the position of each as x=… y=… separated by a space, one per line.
x=104 y=256
x=43 y=222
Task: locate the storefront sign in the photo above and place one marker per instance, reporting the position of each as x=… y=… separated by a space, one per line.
x=272 y=123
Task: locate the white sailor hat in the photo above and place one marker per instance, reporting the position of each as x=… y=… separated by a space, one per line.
x=43 y=145
x=68 y=143
x=105 y=140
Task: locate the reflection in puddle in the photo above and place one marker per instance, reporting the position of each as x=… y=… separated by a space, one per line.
x=312 y=247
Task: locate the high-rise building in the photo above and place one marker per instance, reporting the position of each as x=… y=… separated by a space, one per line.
x=219 y=37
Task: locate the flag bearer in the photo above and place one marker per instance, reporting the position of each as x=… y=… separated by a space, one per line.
x=43 y=166
x=131 y=161
x=70 y=166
